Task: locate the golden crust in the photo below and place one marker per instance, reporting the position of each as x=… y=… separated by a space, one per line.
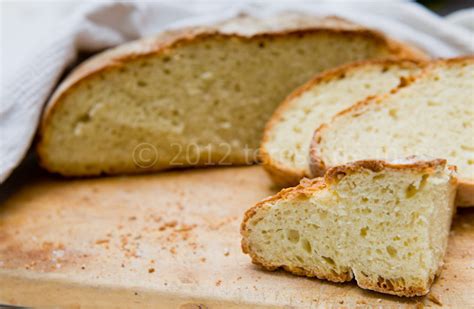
x=167 y=41
x=281 y=174
x=304 y=189
x=332 y=176
x=317 y=165
x=393 y=289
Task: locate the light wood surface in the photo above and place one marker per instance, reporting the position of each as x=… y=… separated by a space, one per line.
x=171 y=240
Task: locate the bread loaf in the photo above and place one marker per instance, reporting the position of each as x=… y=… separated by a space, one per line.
x=431 y=114
x=194 y=97
x=386 y=224
x=285 y=145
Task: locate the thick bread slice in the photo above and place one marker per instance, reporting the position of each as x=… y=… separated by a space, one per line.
x=384 y=224
x=284 y=150
x=431 y=114
x=198 y=96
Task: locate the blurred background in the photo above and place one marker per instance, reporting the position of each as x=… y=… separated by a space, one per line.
x=445 y=7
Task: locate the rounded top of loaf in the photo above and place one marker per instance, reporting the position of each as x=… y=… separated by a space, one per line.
x=99 y=72
x=242 y=27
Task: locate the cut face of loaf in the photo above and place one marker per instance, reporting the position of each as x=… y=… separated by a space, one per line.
x=192 y=97
x=431 y=115
x=384 y=224
x=287 y=138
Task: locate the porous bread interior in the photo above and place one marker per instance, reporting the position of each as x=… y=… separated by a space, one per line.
x=289 y=137
x=204 y=101
x=388 y=229
x=434 y=116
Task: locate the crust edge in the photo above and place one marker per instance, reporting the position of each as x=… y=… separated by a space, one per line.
x=308 y=186
x=465 y=195
x=166 y=42
x=282 y=175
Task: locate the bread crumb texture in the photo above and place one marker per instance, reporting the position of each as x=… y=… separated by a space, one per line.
x=384 y=224
x=288 y=135
x=433 y=115
x=199 y=99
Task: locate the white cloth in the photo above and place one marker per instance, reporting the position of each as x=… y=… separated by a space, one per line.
x=464 y=18
x=95 y=26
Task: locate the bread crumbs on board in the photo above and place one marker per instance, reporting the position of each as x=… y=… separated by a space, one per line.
x=186 y=227
x=102 y=241
x=220 y=224
x=169 y=224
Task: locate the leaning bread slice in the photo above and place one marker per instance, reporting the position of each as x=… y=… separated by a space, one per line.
x=384 y=224
x=433 y=115
x=199 y=96
x=284 y=150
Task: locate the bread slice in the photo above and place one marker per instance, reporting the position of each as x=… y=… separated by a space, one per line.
x=285 y=145
x=386 y=224
x=432 y=114
x=199 y=96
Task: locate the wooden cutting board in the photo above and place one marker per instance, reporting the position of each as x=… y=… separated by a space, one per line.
x=170 y=240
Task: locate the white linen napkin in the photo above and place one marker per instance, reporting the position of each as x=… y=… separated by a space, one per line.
x=94 y=26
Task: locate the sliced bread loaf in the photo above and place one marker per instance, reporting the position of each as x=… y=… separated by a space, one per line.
x=384 y=224
x=198 y=96
x=285 y=145
x=431 y=114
